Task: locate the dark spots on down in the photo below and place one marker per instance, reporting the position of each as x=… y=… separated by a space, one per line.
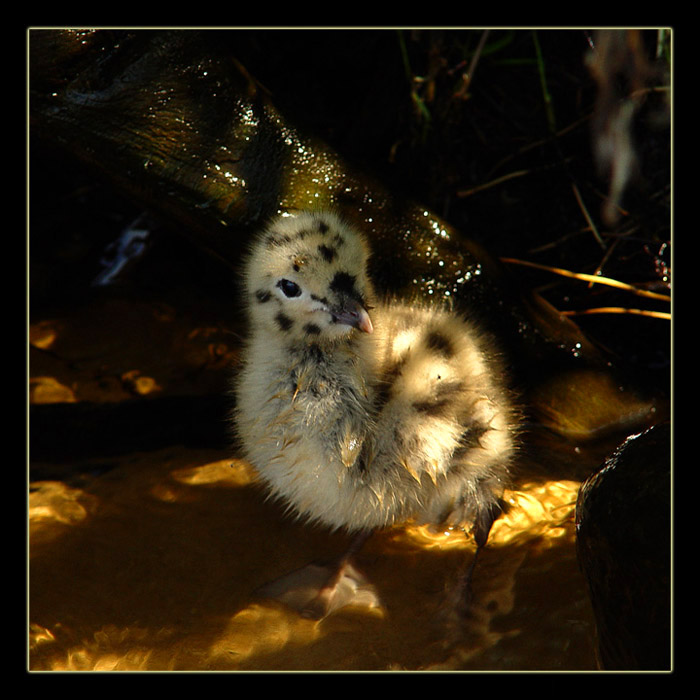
x=302 y=233
x=312 y=329
x=469 y=439
x=322 y=300
x=442 y=403
x=344 y=283
x=446 y=389
x=328 y=254
x=393 y=371
x=384 y=387
x=315 y=354
x=262 y=295
x=322 y=227
x=437 y=342
x=382 y=395
x=284 y=322
x=275 y=239
x=440 y=407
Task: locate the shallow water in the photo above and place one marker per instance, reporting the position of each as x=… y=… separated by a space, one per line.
x=153 y=566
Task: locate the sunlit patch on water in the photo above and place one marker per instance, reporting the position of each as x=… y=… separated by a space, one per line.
x=168 y=549
x=50 y=390
x=234 y=472
x=53 y=507
x=534 y=510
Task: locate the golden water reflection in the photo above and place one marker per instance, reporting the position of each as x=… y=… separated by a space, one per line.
x=154 y=564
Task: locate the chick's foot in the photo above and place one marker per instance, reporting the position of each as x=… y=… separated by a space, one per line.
x=317 y=590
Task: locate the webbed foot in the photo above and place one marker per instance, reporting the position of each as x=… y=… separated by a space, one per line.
x=317 y=590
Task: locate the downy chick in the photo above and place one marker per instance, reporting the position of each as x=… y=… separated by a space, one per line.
x=360 y=414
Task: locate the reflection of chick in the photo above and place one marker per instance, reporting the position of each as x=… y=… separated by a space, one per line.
x=356 y=414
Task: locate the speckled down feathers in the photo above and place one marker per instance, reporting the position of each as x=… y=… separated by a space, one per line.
x=360 y=414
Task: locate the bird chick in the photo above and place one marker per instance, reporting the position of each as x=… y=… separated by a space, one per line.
x=360 y=414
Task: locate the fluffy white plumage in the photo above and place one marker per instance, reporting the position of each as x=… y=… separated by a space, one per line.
x=360 y=414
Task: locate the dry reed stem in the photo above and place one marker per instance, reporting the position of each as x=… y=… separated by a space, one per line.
x=587 y=216
x=597 y=279
x=619 y=310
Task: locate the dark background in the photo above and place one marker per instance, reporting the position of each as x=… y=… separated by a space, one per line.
x=395 y=103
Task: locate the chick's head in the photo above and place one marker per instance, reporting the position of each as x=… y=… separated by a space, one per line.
x=307 y=279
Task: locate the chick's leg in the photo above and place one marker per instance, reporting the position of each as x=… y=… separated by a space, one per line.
x=461 y=598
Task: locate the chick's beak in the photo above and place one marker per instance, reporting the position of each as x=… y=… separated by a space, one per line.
x=354 y=314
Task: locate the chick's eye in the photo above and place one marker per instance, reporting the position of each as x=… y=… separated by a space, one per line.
x=289 y=288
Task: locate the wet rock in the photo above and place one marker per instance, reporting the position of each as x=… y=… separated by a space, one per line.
x=623 y=522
